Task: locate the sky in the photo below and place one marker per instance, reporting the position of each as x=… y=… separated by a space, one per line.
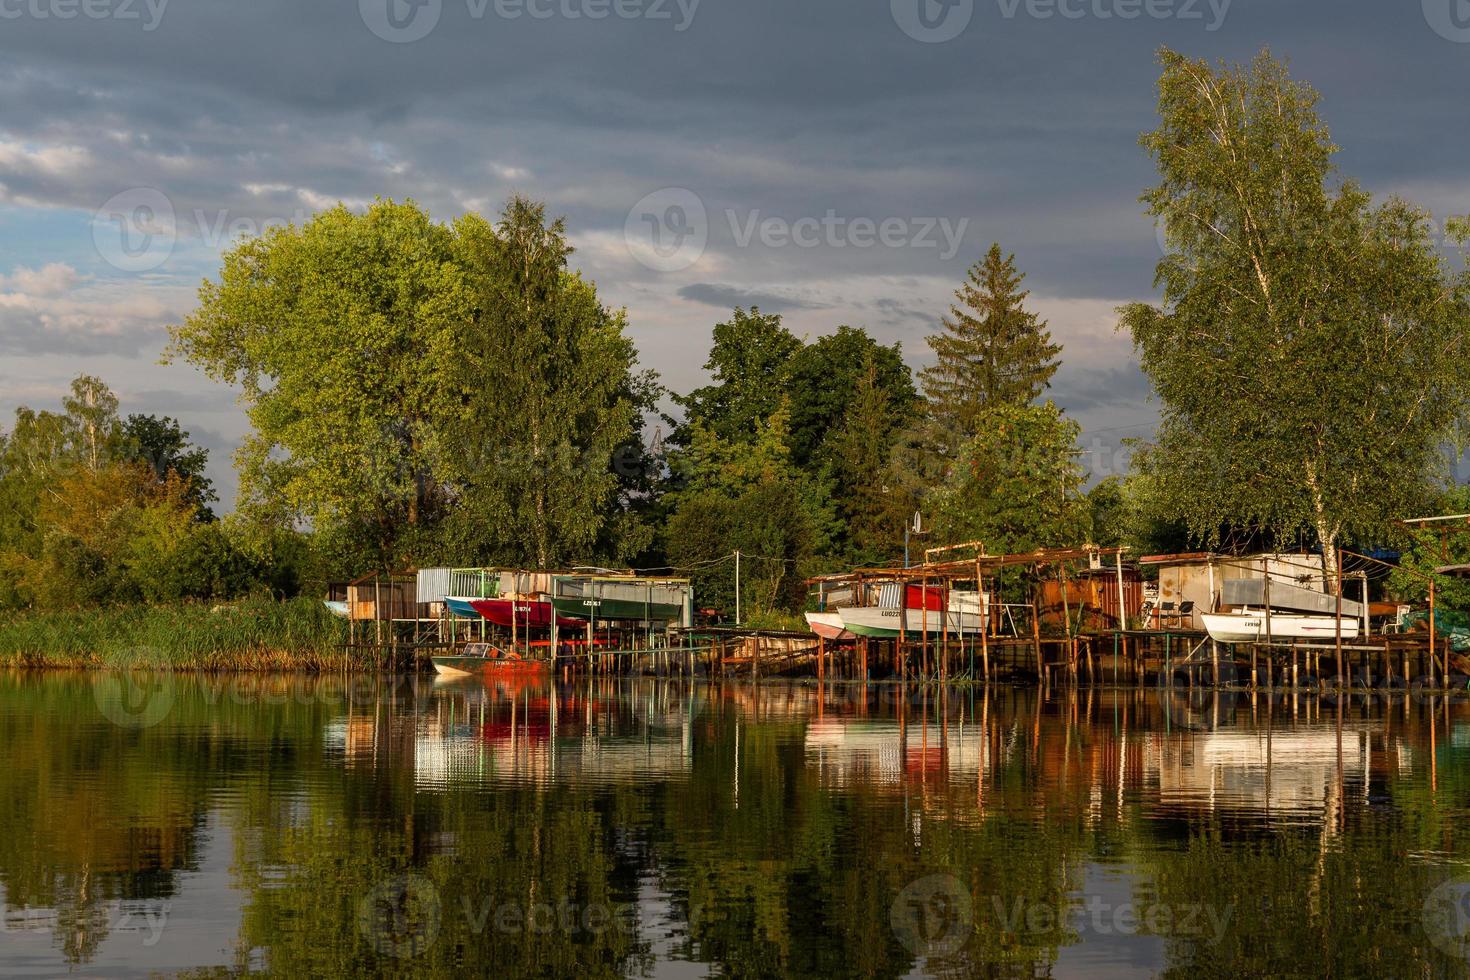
x=836 y=162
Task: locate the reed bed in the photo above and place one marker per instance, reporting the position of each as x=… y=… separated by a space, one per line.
x=254 y=634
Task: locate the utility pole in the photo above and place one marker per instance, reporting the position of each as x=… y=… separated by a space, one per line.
x=737 y=587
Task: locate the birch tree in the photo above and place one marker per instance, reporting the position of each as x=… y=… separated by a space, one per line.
x=1310 y=351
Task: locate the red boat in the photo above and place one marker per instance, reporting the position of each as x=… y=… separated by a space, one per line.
x=524 y=614
x=486 y=660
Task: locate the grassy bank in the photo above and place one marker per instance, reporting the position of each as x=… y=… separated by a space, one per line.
x=255 y=634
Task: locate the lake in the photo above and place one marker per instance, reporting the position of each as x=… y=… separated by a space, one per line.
x=405 y=826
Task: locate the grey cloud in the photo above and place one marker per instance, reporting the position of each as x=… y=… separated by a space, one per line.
x=1027 y=128
x=1081 y=389
x=729 y=297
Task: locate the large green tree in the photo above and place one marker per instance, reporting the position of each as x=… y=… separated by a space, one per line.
x=825 y=377
x=551 y=453
x=422 y=392
x=991 y=350
x=746 y=495
x=1312 y=350
x=842 y=399
x=1018 y=485
x=345 y=335
x=164 y=446
x=747 y=365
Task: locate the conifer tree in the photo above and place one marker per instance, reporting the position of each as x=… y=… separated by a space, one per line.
x=992 y=351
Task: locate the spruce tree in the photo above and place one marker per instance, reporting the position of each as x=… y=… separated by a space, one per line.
x=992 y=351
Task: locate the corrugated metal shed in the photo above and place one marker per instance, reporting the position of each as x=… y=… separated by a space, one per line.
x=433 y=584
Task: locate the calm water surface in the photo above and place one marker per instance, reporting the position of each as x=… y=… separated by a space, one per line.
x=311 y=827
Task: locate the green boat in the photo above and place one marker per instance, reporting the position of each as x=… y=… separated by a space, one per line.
x=621 y=598
x=609 y=608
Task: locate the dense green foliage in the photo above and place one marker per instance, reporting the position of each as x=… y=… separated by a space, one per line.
x=99 y=510
x=1312 y=352
x=786 y=456
x=1018 y=485
x=425 y=393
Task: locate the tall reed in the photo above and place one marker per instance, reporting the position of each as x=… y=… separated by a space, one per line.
x=254 y=634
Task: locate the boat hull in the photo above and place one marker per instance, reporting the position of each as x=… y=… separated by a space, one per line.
x=828 y=625
x=461 y=666
x=463 y=608
x=521 y=613
x=336 y=608
x=1250 y=627
x=575 y=607
x=885 y=624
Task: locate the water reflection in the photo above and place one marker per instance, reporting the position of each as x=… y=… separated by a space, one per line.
x=339 y=828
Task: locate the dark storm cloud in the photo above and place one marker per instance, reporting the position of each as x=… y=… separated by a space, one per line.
x=1023 y=129
x=1090 y=389
x=729 y=297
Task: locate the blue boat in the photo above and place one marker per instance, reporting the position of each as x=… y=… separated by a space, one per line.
x=461 y=607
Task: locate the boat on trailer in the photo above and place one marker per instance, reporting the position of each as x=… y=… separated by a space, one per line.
x=463 y=608
x=917 y=610
x=525 y=613
x=486 y=659
x=1250 y=626
x=828 y=625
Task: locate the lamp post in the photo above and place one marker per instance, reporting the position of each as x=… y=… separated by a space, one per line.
x=915 y=527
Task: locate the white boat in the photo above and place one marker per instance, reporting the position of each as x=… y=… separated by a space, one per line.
x=1249 y=626
x=962 y=618
x=828 y=625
